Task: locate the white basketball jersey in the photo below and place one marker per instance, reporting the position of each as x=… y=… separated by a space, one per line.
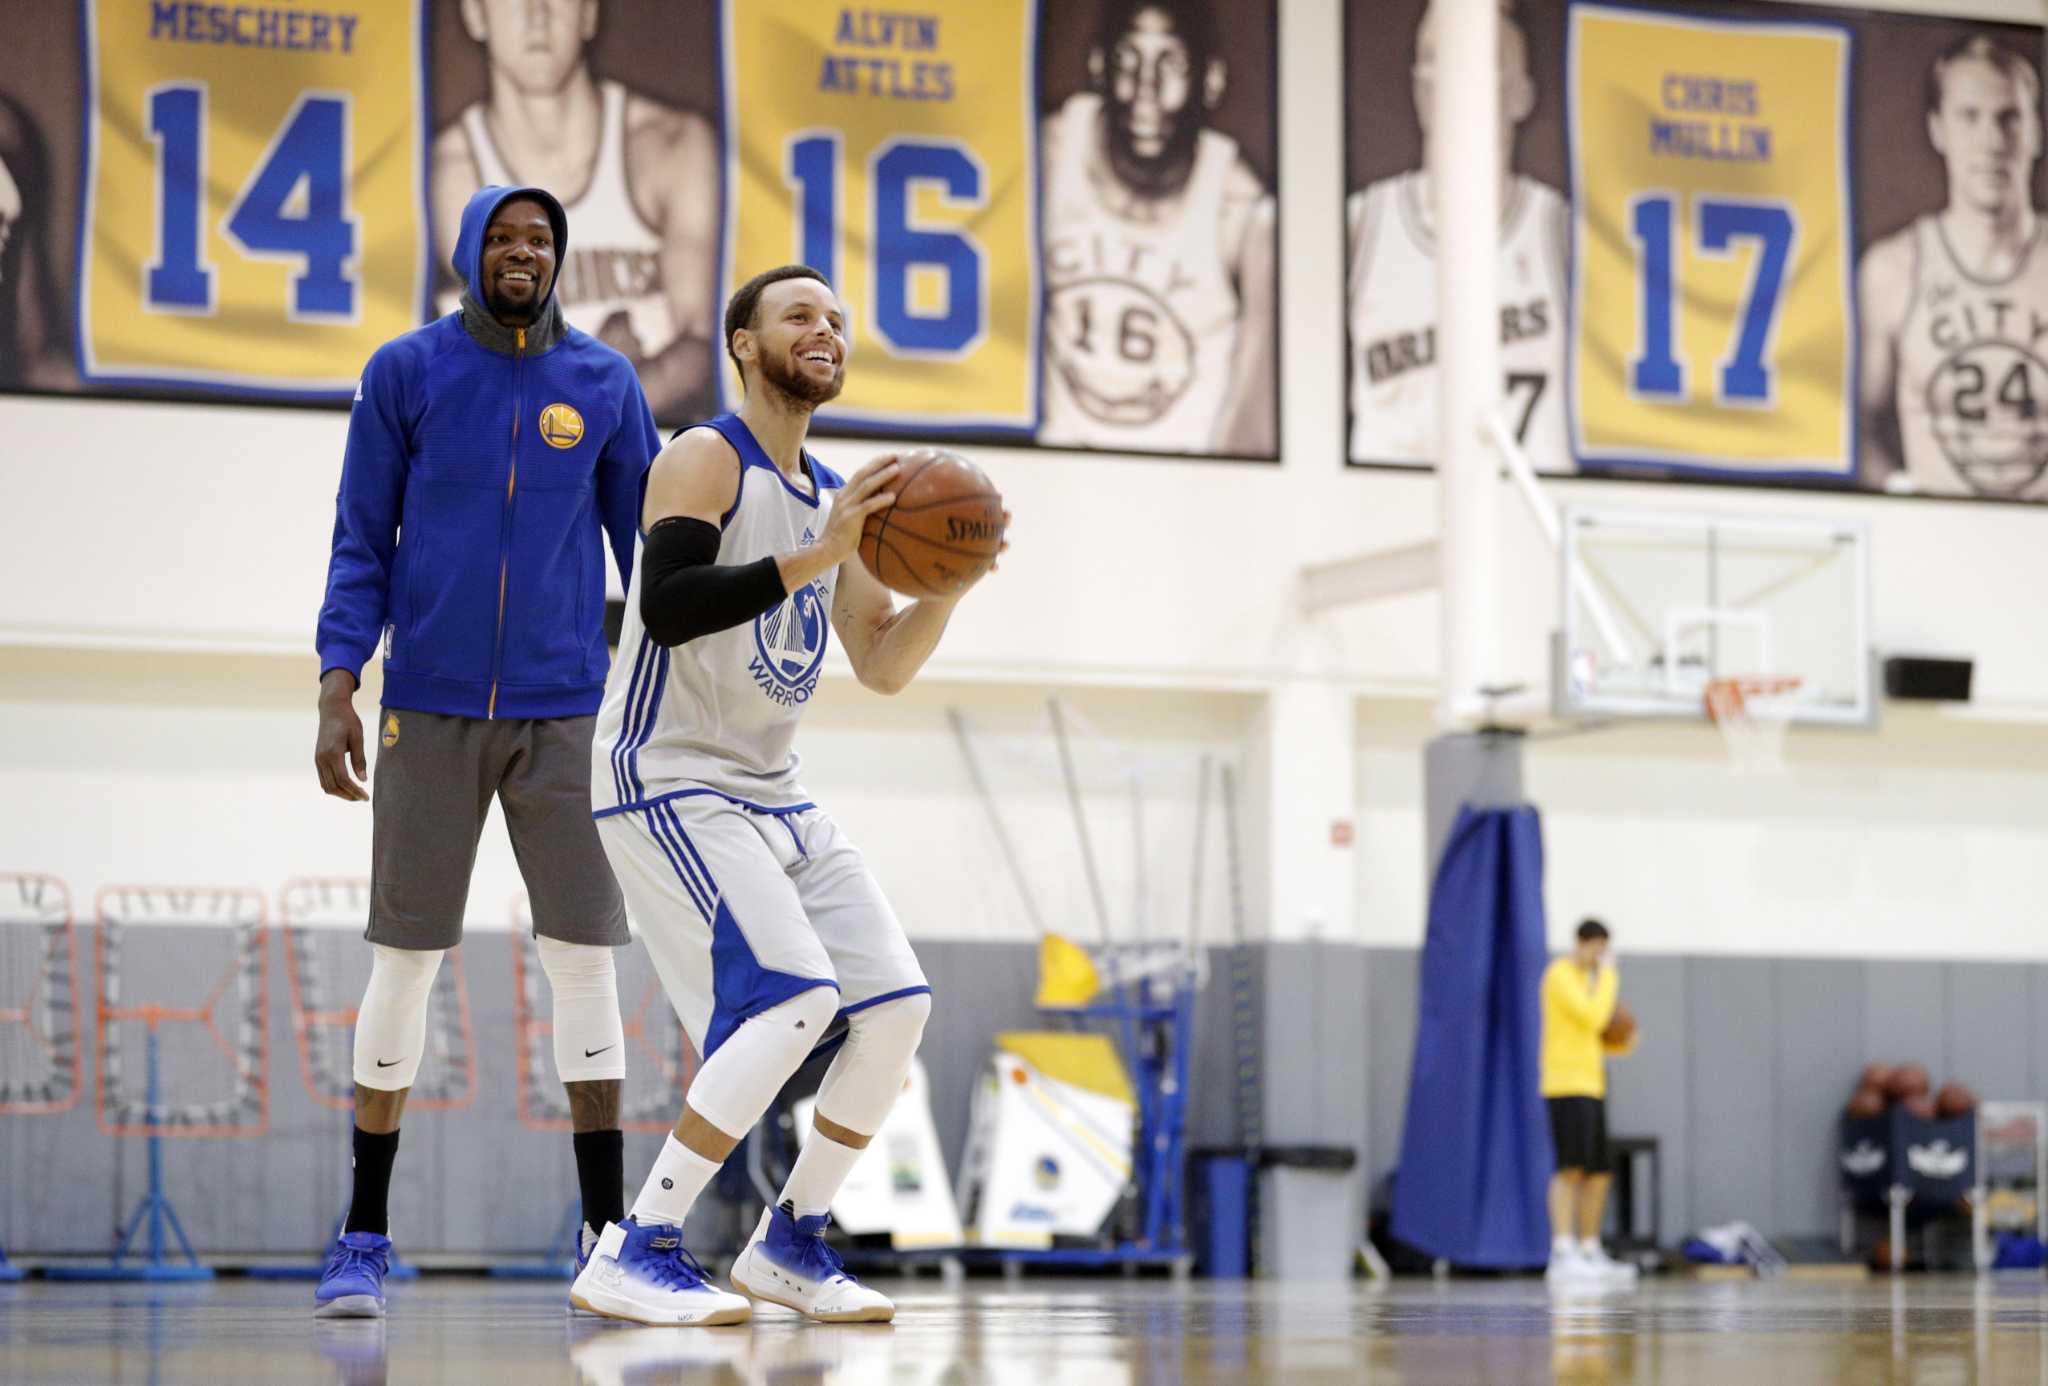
x=614 y=263
x=1392 y=283
x=720 y=711
x=1141 y=317
x=1972 y=385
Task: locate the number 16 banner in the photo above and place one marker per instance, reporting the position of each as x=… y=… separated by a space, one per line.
x=253 y=193
x=1712 y=309
x=897 y=152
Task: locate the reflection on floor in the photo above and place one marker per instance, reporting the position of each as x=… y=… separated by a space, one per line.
x=1919 y=1330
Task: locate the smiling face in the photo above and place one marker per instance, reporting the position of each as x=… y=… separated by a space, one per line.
x=518 y=261
x=797 y=341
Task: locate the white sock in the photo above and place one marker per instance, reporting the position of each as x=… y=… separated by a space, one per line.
x=1590 y=1247
x=1563 y=1246
x=821 y=1167
x=678 y=1176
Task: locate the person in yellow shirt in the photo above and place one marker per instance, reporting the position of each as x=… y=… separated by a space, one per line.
x=1581 y=995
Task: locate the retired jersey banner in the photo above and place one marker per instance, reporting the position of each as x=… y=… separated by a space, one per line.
x=897 y=152
x=1051 y=222
x=252 y=193
x=1711 y=305
x=1740 y=240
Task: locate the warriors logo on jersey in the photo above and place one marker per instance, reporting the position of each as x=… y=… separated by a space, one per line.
x=1392 y=283
x=1972 y=383
x=1711 y=301
x=896 y=153
x=789 y=642
x=252 y=214
x=1142 y=321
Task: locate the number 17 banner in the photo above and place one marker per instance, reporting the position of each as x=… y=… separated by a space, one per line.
x=252 y=194
x=897 y=152
x=1713 y=319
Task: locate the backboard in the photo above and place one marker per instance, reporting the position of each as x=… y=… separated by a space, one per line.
x=1655 y=605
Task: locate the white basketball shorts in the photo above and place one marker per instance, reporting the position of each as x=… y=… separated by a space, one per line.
x=742 y=908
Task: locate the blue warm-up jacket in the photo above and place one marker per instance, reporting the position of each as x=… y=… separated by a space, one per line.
x=481 y=464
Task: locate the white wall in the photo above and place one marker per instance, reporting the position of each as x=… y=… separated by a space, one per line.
x=187 y=546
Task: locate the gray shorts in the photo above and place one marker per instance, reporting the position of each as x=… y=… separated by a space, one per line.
x=430 y=792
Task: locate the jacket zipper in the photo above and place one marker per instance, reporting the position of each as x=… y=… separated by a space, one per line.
x=505 y=520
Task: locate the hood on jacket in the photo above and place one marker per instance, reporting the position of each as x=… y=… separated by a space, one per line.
x=469 y=244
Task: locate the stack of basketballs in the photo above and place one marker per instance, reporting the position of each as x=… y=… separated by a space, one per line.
x=1908 y=1086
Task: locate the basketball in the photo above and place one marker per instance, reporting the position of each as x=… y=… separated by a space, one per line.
x=1621 y=1028
x=1877 y=1076
x=1867 y=1102
x=1908 y=1080
x=943 y=531
x=1920 y=1106
x=1954 y=1100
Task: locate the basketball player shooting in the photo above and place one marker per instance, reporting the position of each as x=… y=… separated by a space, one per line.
x=1391 y=235
x=763 y=921
x=1953 y=385
x=633 y=174
x=1159 y=250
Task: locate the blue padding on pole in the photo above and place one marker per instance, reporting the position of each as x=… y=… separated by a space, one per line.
x=1475 y=1150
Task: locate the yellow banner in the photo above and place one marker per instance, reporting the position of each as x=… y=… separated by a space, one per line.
x=254 y=191
x=897 y=153
x=1712 y=309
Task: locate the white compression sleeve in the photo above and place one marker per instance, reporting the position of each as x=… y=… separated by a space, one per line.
x=737 y=1083
x=590 y=1039
x=391 y=1026
x=865 y=1076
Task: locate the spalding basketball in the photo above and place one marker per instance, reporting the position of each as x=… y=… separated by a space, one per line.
x=943 y=531
x=1868 y=1102
x=1621 y=1028
x=1908 y=1080
x=1954 y=1100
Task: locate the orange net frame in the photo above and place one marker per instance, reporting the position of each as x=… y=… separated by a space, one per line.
x=324 y=1007
x=49 y=1007
x=662 y=1061
x=122 y=1109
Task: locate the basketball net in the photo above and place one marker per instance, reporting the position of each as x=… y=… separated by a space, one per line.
x=1754 y=713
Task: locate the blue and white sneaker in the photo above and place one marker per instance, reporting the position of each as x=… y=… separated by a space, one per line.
x=787 y=1262
x=644 y=1274
x=352 y=1286
x=586 y=1242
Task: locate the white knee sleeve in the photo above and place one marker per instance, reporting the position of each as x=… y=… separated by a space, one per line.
x=862 y=1083
x=737 y=1083
x=590 y=1039
x=391 y=1027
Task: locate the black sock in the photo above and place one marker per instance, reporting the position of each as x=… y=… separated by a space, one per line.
x=601 y=1170
x=367 y=1210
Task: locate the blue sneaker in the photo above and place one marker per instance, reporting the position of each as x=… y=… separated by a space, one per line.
x=352 y=1286
x=644 y=1274
x=789 y=1263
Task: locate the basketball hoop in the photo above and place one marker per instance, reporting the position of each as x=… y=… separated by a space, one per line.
x=1754 y=712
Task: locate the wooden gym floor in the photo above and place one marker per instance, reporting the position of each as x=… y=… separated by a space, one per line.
x=1061 y=1332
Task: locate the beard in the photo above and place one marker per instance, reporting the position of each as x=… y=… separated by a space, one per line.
x=516 y=314
x=785 y=375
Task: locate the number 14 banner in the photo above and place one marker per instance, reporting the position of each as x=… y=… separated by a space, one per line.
x=897 y=152
x=1713 y=318
x=253 y=194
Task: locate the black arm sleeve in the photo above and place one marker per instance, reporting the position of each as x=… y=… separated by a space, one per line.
x=686 y=592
